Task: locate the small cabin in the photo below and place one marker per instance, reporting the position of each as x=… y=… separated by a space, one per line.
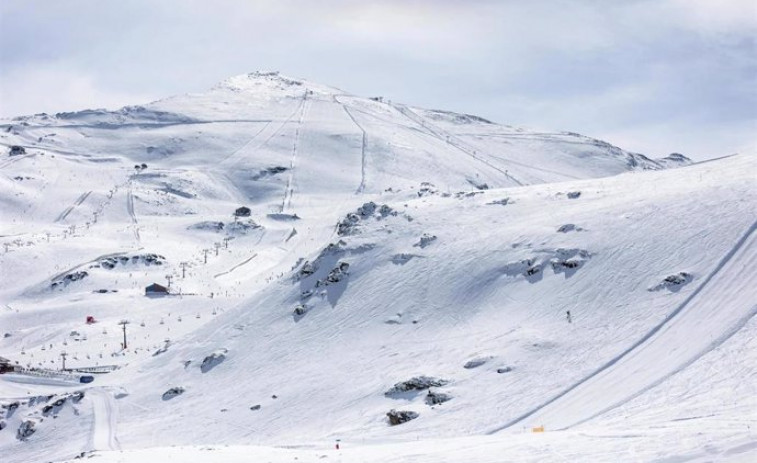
x=5 y=365
x=156 y=290
x=243 y=212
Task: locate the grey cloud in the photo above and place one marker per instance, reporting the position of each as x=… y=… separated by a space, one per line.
x=597 y=67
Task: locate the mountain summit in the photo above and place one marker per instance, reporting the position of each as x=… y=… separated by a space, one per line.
x=287 y=270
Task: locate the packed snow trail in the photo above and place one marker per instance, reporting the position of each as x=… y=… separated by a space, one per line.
x=289 y=189
x=722 y=304
x=70 y=208
x=360 y=187
x=130 y=210
x=106 y=417
x=450 y=139
x=15 y=159
x=268 y=131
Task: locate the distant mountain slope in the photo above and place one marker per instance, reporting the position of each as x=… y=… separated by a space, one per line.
x=329 y=259
x=254 y=122
x=490 y=287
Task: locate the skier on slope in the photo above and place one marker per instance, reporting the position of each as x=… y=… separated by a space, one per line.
x=569 y=317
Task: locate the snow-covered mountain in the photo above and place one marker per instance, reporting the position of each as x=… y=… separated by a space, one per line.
x=332 y=259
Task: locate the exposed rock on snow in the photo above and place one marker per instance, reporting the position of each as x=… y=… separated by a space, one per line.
x=574 y=194
x=477 y=362
x=467 y=194
x=569 y=227
x=16 y=150
x=213 y=360
x=417 y=383
x=173 y=392
x=427 y=189
x=501 y=202
x=565 y=261
x=26 y=429
x=425 y=240
x=283 y=217
x=504 y=370
x=70 y=278
x=238 y=228
x=163 y=349
x=208 y=225
x=299 y=311
x=478 y=185
x=307 y=269
x=673 y=282
x=337 y=273
x=403 y=258
x=569 y=260
x=400 y=416
x=146 y=259
x=269 y=171
x=436 y=398
x=350 y=224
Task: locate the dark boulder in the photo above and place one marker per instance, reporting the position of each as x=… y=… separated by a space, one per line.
x=436 y=398
x=400 y=416
x=25 y=430
x=173 y=392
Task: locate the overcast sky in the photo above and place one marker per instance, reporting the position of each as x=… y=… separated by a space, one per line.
x=653 y=76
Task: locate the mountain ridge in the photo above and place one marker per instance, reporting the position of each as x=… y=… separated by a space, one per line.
x=337 y=264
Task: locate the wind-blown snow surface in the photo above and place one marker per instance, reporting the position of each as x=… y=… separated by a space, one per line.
x=488 y=236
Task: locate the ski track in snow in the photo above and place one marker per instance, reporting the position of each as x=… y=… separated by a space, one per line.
x=390 y=319
x=130 y=209
x=361 y=187
x=248 y=142
x=703 y=318
x=70 y=208
x=450 y=139
x=15 y=159
x=289 y=189
x=243 y=153
x=236 y=266
x=470 y=150
x=104 y=426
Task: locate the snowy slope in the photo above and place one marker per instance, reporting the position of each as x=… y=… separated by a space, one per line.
x=385 y=242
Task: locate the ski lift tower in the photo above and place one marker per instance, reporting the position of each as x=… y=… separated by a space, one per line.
x=123 y=324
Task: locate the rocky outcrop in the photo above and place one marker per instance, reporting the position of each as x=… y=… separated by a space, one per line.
x=673 y=282
x=213 y=360
x=417 y=383
x=350 y=224
x=173 y=392
x=476 y=362
x=400 y=416
x=26 y=429
x=436 y=398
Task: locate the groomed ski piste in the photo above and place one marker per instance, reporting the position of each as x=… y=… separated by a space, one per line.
x=507 y=294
